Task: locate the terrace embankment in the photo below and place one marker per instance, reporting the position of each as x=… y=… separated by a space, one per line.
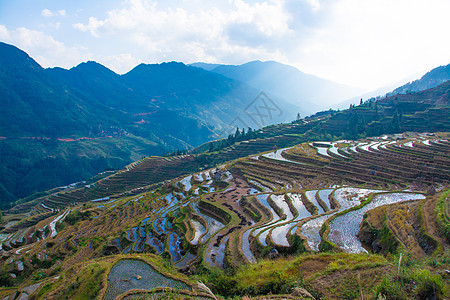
x=390 y=167
x=410 y=226
x=131 y=180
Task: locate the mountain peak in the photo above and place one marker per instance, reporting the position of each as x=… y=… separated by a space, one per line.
x=93 y=67
x=13 y=57
x=309 y=92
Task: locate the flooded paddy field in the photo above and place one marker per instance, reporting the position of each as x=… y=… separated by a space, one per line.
x=131 y=274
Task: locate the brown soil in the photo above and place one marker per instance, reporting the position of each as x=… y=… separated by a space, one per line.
x=311 y=266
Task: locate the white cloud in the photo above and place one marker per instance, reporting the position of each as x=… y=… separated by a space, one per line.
x=193 y=33
x=93 y=26
x=47 y=51
x=48 y=13
x=121 y=63
x=4 y=33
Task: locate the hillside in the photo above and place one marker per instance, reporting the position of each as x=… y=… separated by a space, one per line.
x=431 y=79
x=156 y=88
x=291 y=211
x=421 y=112
x=88 y=119
x=247 y=227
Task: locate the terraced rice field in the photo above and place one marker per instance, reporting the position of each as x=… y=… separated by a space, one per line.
x=344 y=229
x=246 y=247
x=262 y=198
x=324 y=196
x=213 y=224
x=134 y=274
x=278 y=234
x=234 y=213
x=311 y=195
x=199 y=231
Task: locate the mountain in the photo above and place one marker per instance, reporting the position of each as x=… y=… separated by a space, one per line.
x=431 y=79
x=377 y=93
x=214 y=98
x=285 y=82
x=88 y=119
x=205 y=66
x=35 y=104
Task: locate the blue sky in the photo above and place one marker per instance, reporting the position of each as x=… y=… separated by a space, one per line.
x=363 y=43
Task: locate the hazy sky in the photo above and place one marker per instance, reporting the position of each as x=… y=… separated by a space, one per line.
x=364 y=43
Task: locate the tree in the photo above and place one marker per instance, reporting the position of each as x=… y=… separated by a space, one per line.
x=360 y=102
x=298 y=116
x=237 y=134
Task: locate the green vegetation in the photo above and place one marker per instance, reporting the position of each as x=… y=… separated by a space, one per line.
x=442 y=215
x=412 y=281
x=76 y=216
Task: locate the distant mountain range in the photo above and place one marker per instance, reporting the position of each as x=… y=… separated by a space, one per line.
x=285 y=82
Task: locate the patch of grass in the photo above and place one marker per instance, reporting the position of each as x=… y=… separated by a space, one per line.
x=442 y=218
x=283 y=274
x=46 y=288
x=391 y=289
x=412 y=281
x=86 y=285
x=428 y=285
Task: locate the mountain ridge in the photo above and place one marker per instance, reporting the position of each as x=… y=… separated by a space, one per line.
x=310 y=92
x=89 y=106
x=431 y=79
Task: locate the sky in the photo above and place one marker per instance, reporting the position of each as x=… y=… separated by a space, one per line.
x=361 y=43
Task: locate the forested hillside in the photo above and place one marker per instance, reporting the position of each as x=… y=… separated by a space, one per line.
x=59 y=126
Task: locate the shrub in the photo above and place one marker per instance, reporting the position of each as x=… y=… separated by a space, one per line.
x=441 y=216
x=428 y=285
x=391 y=289
x=47 y=287
x=75 y=216
x=224 y=285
